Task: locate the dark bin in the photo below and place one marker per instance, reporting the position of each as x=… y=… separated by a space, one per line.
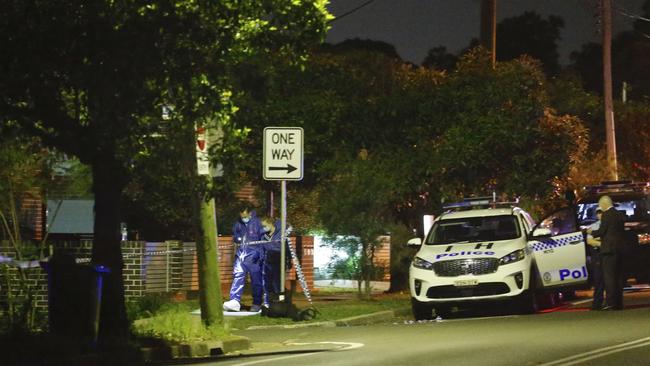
x=74 y=297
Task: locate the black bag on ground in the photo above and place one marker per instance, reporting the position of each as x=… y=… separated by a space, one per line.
x=284 y=309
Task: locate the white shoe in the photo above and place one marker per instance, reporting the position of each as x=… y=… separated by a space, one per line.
x=231 y=305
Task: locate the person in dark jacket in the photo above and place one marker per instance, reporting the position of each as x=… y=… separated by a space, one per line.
x=271 y=269
x=596 y=265
x=612 y=234
x=248 y=260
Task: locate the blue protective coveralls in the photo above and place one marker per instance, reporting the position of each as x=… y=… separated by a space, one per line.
x=248 y=259
x=271 y=268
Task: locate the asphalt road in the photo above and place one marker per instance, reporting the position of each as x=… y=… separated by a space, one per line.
x=569 y=335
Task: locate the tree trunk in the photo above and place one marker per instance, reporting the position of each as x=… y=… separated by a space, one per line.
x=108 y=182
x=399 y=268
x=366 y=268
x=205 y=234
x=208 y=263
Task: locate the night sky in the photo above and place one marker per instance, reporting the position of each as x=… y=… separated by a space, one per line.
x=415 y=26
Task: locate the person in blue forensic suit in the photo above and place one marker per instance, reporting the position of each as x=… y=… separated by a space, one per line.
x=272 y=233
x=248 y=260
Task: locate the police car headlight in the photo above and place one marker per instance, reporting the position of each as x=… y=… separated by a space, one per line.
x=422 y=264
x=515 y=256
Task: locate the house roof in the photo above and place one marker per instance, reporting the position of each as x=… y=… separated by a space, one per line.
x=72 y=217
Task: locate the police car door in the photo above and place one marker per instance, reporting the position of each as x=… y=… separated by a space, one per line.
x=558 y=247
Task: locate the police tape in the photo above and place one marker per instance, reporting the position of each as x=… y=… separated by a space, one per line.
x=19 y=263
x=36 y=263
x=300 y=274
x=11 y=262
x=296 y=264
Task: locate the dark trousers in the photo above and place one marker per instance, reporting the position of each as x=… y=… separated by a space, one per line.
x=597 y=279
x=272 y=286
x=613 y=276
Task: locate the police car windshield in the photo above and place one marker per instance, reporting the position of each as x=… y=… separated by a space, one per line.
x=634 y=209
x=474 y=229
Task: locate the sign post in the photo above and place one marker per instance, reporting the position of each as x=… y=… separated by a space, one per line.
x=283 y=161
x=206 y=243
x=202 y=158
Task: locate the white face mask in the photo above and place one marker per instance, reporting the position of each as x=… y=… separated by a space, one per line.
x=245 y=220
x=267 y=229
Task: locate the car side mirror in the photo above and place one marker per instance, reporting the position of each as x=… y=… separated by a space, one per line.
x=415 y=242
x=542 y=231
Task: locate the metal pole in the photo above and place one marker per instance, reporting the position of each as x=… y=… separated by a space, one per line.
x=167 y=267
x=283 y=227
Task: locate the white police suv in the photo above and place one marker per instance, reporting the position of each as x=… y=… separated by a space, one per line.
x=480 y=250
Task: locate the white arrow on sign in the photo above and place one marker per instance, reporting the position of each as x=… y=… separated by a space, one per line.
x=283 y=153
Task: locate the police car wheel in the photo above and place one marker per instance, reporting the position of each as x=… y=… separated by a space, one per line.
x=443 y=311
x=421 y=310
x=527 y=302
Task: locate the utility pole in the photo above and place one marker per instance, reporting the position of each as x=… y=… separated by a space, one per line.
x=207 y=256
x=606 y=14
x=489 y=28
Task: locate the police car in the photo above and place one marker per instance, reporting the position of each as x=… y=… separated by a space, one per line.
x=633 y=199
x=482 y=250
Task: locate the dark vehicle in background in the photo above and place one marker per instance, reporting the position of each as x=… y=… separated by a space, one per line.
x=634 y=200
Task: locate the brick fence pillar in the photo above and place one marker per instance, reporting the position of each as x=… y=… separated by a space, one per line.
x=132 y=273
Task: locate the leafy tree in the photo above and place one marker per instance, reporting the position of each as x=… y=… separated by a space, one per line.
x=567 y=95
x=633 y=139
x=355 y=204
x=24 y=170
x=510 y=140
x=439 y=136
x=588 y=64
x=90 y=79
x=357 y=44
x=345 y=101
x=630 y=61
x=530 y=34
x=439 y=58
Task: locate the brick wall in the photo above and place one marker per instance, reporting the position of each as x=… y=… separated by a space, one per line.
x=37 y=277
x=32 y=215
x=149 y=269
x=190 y=268
x=133 y=257
x=382 y=256
x=36 y=280
x=247 y=194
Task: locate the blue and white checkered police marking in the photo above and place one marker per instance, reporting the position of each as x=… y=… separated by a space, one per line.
x=545 y=244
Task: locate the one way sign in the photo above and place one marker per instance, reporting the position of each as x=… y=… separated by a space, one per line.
x=283 y=148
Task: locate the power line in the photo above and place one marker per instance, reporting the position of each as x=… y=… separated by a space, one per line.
x=621 y=10
x=352 y=10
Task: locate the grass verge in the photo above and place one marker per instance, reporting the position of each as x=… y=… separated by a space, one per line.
x=330 y=310
x=173 y=321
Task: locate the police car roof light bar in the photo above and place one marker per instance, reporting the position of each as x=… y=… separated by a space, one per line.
x=478 y=202
x=617 y=186
x=469 y=203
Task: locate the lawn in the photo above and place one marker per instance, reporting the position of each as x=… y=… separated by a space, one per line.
x=330 y=308
x=173 y=321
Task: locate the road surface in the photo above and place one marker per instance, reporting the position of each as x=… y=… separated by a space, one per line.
x=567 y=335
